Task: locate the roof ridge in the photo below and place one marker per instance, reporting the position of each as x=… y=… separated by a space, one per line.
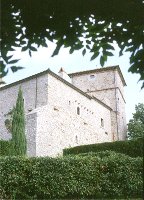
x=78 y=90
x=25 y=79
x=100 y=70
x=59 y=78
x=92 y=70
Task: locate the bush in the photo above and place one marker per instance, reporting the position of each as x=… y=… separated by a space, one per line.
x=132 y=148
x=5 y=148
x=77 y=177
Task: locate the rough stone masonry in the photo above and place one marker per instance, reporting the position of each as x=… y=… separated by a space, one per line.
x=68 y=110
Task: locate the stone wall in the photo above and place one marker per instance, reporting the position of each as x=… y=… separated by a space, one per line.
x=31 y=132
x=121 y=117
x=108 y=87
x=34 y=93
x=59 y=115
x=60 y=126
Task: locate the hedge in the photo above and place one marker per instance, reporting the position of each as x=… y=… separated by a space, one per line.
x=5 y=148
x=132 y=148
x=104 y=176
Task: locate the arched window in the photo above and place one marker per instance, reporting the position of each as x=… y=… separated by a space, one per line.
x=78 y=110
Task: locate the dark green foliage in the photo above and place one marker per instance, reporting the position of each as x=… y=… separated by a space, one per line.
x=136 y=125
x=18 y=127
x=89 y=25
x=104 y=176
x=132 y=148
x=5 y=148
x=8 y=121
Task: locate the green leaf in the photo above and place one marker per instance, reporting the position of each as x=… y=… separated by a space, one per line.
x=71 y=50
x=108 y=53
x=32 y=48
x=30 y=53
x=110 y=47
x=130 y=49
x=78 y=46
x=24 y=48
x=88 y=42
x=87 y=46
x=13 y=61
x=95 y=55
x=6 y=58
x=102 y=60
x=9 y=57
x=84 y=52
x=44 y=44
x=22 y=42
x=121 y=53
x=15 y=68
x=56 y=51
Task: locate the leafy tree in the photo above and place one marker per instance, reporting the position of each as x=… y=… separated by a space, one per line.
x=18 y=127
x=136 y=125
x=90 y=25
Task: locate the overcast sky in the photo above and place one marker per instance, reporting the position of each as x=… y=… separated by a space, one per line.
x=42 y=60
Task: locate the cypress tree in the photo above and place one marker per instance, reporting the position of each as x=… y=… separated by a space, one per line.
x=19 y=143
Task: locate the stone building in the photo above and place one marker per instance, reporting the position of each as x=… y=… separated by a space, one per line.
x=68 y=110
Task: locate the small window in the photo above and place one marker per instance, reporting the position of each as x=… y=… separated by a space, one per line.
x=76 y=139
x=78 y=110
x=102 y=122
x=92 y=76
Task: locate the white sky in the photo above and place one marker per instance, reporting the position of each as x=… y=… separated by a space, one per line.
x=42 y=60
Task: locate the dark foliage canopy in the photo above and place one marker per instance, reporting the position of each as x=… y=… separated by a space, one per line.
x=90 y=25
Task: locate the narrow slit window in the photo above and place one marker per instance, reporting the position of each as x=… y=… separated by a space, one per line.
x=102 y=122
x=78 y=110
x=76 y=139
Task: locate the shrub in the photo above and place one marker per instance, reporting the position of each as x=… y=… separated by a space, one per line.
x=132 y=148
x=77 y=177
x=5 y=148
x=19 y=142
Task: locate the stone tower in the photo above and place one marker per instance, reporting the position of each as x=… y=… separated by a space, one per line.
x=107 y=85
